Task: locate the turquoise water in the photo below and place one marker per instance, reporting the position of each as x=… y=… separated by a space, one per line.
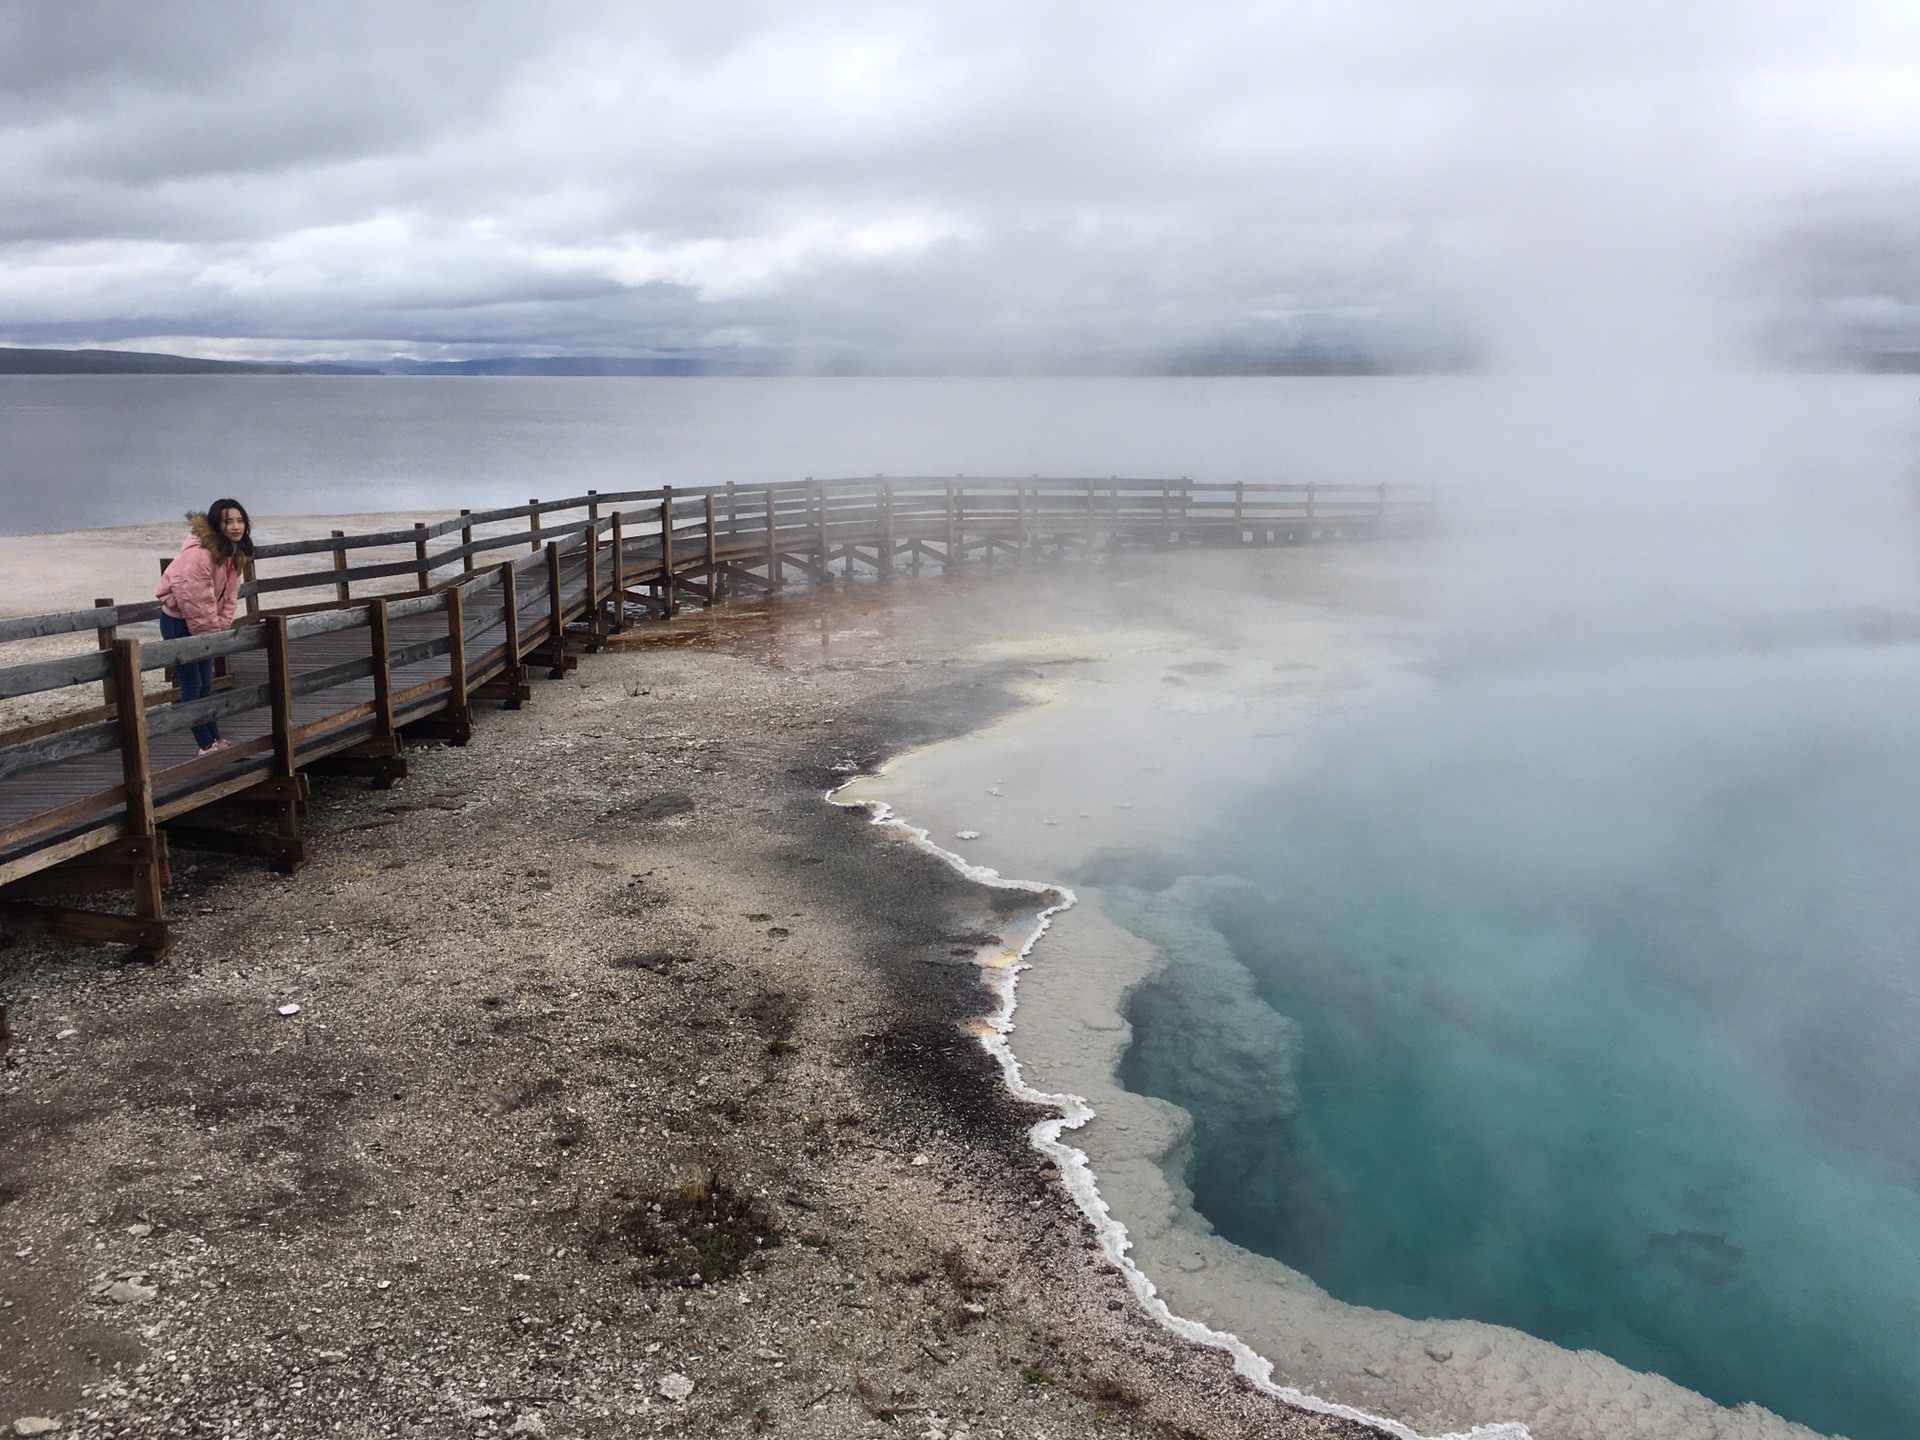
x=1607 y=986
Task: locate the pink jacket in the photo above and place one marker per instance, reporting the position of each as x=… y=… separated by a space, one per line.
x=197 y=588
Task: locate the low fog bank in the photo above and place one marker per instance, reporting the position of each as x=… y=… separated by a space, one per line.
x=1654 y=513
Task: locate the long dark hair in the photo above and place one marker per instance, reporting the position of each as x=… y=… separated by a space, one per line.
x=216 y=515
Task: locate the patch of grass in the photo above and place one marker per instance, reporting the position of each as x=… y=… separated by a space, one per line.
x=1034 y=1375
x=699 y=1234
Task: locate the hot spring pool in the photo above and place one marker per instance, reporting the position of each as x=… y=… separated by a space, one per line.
x=1604 y=986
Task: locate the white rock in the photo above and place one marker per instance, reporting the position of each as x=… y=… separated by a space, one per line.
x=125 y=1292
x=920 y=1160
x=140 y=1231
x=528 y=1424
x=675 y=1386
x=35 y=1425
x=289 y=1009
x=966 y=835
x=66 y=1034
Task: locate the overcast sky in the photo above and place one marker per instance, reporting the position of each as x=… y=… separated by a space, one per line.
x=980 y=180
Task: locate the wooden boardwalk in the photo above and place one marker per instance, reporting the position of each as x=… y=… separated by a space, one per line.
x=92 y=802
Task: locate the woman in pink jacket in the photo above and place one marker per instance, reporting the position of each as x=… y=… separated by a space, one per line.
x=198 y=593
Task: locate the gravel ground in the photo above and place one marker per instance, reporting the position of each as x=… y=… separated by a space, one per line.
x=629 y=1093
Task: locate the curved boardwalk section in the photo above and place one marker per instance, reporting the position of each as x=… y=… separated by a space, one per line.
x=94 y=798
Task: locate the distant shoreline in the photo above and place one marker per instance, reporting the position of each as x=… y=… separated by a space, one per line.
x=16 y=360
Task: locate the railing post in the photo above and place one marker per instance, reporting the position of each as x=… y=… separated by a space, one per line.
x=1091 y=523
x=510 y=610
x=293 y=850
x=556 y=614
x=380 y=642
x=826 y=556
x=713 y=556
x=253 y=596
x=1239 y=511
x=280 y=695
x=136 y=775
x=1166 y=514
x=954 y=556
x=342 y=589
x=773 y=539
x=466 y=541
x=593 y=505
x=1020 y=523
x=457 y=702
x=666 y=552
x=886 y=530
x=106 y=635
x=596 y=630
x=533 y=526
x=420 y=556
x=617 y=598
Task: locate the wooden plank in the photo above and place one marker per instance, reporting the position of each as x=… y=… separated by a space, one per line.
x=556 y=615
x=136 y=774
x=72 y=720
x=596 y=626
x=533 y=526
x=617 y=586
x=713 y=555
x=425 y=582
x=147 y=936
x=343 y=589
x=39 y=676
x=313 y=729
x=40 y=859
x=457 y=653
x=773 y=542
x=104 y=636
x=666 y=549
x=280 y=694
x=381 y=645
x=514 y=673
x=100 y=801
x=425 y=687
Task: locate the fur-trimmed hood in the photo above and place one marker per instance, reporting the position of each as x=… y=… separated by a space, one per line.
x=211 y=540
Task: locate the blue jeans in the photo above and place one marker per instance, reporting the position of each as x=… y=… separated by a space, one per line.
x=195 y=676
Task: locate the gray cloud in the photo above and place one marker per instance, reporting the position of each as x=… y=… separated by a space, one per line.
x=994 y=180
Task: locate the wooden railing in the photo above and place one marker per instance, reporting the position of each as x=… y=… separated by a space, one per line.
x=92 y=797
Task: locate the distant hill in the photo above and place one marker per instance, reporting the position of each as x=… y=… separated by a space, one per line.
x=549 y=365
x=140 y=362
x=16 y=361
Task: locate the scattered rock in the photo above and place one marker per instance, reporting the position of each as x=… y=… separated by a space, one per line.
x=126 y=1292
x=675 y=1387
x=966 y=835
x=140 y=1231
x=920 y=1160
x=289 y=1010
x=530 y=1423
x=35 y=1425
x=66 y=1034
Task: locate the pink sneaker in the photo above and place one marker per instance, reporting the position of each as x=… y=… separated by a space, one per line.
x=217 y=745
